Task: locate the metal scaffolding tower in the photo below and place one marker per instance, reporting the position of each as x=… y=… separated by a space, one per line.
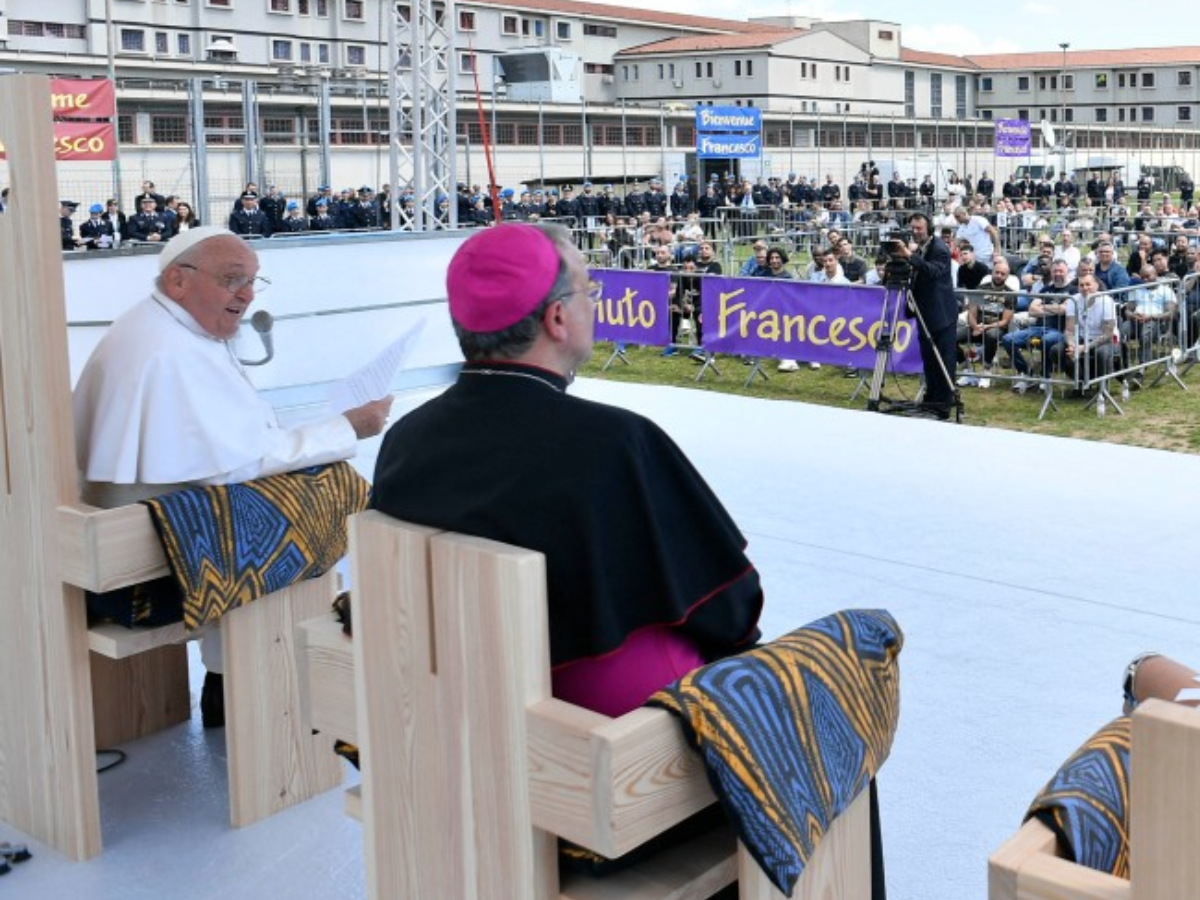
x=422 y=111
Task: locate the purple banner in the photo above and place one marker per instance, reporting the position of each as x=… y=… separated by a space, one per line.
x=634 y=307
x=825 y=323
x=1012 y=137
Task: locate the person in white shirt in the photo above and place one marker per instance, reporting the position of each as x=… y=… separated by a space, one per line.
x=1149 y=313
x=980 y=232
x=1067 y=251
x=1091 y=331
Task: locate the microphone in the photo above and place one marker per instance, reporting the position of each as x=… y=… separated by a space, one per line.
x=262 y=322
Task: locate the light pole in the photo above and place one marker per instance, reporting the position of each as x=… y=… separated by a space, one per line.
x=1062 y=85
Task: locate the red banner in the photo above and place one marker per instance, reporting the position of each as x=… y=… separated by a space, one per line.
x=82 y=98
x=93 y=142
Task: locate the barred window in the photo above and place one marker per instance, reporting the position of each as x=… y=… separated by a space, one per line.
x=281 y=6
x=279 y=130
x=225 y=129
x=356 y=55
x=281 y=50
x=185 y=44
x=354 y=10
x=685 y=136
x=133 y=40
x=125 y=132
x=607 y=31
x=473 y=132
x=505 y=133
x=527 y=134
x=572 y=135
x=167 y=129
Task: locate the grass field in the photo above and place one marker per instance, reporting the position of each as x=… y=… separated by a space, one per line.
x=1165 y=417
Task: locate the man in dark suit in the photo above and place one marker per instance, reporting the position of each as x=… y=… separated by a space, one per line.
x=148 y=225
x=933 y=295
x=250 y=220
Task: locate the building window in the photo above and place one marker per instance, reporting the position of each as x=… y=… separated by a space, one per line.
x=1041 y=82
x=837 y=73
x=910 y=94
x=662 y=72
x=125 y=132
x=960 y=96
x=1121 y=114
x=539 y=28
x=305 y=52
x=466 y=63
x=162 y=43
x=737 y=68
x=281 y=6
x=985 y=84
x=1101 y=115
x=935 y=94
x=1102 y=81
x=133 y=40
x=986 y=114
x=322 y=9
x=281 y=51
x=466 y=20
x=1053 y=115
x=671 y=71
x=184 y=43
x=708 y=68
x=224 y=4
x=803 y=70
x=323 y=54
x=1022 y=82
x=749 y=68
x=1068 y=82
x=636 y=74
x=168 y=129
x=508 y=25
x=624 y=73
x=354 y=10
x=885 y=35
x=1184 y=78
x=1184 y=114
x=1022 y=114
x=598 y=69
x=562 y=31
x=1147 y=113
x=607 y=31
x=699 y=70
x=302 y=7
x=279 y=130
x=1147 y=79
x=356 y=55
x=1068 y=115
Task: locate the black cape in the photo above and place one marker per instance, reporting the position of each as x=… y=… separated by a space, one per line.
x=633 y=536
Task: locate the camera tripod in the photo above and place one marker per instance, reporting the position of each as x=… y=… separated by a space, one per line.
x=898 y=293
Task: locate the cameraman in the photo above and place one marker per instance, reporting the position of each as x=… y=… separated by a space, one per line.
x=933 y=296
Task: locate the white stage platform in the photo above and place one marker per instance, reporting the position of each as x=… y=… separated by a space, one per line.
x=1025 y=571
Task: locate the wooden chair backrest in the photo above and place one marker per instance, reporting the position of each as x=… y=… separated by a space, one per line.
x=470 y=768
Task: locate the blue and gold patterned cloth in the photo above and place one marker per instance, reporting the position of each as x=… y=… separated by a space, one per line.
x=231 y=544
x=792 y=732
x=1086 y=803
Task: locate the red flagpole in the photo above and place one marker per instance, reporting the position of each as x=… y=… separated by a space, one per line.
x=493 y=188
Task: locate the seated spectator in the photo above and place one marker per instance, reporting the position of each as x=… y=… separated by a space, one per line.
x=988 y=318
x=875 y=275
x=853 y=267
x=971 y=272
x=1039 y=266
x=1109 y=273
x=756 y=265
x=827 y=269
x=1149 y=315
x=1089 y=334
x=1047 y=318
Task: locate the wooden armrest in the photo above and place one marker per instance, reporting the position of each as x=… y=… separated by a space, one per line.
x=104 y=549
x=1027 y=867
x=325 y=666
x=119 y=642
x=610 y=784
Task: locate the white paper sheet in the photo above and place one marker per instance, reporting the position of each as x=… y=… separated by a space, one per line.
x=374 y=380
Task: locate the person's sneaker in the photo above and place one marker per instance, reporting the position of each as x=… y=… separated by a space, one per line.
x=814 y=365
x=986 y=381
x=1020 y=386
x=967 y=381
x=669 y=351
x=787 y=365
x=212 y=701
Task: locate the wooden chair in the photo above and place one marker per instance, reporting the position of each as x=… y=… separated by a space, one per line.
x=472 y=771
x=53 y=547
x=1164 y=826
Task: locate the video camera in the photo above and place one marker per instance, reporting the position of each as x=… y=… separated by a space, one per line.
x=898 y=271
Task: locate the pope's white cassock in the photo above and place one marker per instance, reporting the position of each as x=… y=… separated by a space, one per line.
x=162 y=404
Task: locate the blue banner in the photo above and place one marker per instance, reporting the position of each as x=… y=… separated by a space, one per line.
x=728 y=118
x=728 y=146
x=1012 y=137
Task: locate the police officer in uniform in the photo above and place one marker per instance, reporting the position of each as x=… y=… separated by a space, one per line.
x=66 y=209
x=97 y=233
x=249 y=220
x=147 y=225
x=322 y=220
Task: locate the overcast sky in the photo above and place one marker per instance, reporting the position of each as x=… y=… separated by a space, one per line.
x=965 y=28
